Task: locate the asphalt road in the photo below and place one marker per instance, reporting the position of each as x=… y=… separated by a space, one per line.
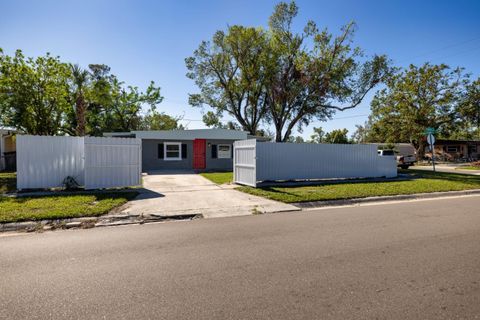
x=415 y=260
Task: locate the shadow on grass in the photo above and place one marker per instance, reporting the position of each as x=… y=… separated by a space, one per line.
x=8 y=182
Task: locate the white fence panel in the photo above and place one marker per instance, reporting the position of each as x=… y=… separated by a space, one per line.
x=244 y=162
x=45 y=161
x=264 y=161
x=112 y=162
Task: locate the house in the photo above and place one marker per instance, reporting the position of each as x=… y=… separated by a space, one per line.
x=453 y=150
x=199 y=149
x=7 y=149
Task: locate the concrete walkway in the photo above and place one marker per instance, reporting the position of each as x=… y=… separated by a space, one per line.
x=188 y=193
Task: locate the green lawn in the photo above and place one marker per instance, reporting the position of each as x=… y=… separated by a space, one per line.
x=219 y=177
x=61 y=206
x=8 y=182
x=423 y=182
x=468 y=168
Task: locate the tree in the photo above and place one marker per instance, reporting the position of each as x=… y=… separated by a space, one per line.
x=337 y=136
x=360 y=134
x=229 y=72
x=155 y=120
x=34 y=93
x=318 y=135
x=470 y=110
x=415 y=99
x=116 y=107
x=312 y=82
x=297 y=139
x=80 y=82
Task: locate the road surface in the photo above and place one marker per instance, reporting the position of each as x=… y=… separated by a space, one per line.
x=411 y=260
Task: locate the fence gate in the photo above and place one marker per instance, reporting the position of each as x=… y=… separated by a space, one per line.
x=112 y=162
x=244 y=162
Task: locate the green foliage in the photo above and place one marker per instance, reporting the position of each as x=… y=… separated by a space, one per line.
x=218 y=177
x=312 y=82
x=211 y=119
x=415 y=99
x=8 y=182
x=280 y=77
x=469 y=125
x=45 y=96
x=296 y=139
x=318 y=135
x=154 y=120
x=34 y=96
x=335 y=136
x=228 y=71
x=61 y=206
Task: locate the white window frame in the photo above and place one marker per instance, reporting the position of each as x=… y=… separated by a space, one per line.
x=165 y=154
x=457 y=149
x=229 y=151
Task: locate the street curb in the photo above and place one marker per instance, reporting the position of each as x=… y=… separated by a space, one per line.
x=91 y=222
x=344 y=202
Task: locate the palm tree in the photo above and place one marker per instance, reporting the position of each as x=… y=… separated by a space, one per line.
x=80 y=81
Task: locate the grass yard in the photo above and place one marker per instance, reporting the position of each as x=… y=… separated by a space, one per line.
x=423 y=182
x=468 y=168
x=218 y=177
x=8 y=182
x=61 y=206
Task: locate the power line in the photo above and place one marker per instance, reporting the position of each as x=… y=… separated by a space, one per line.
x=440 y=49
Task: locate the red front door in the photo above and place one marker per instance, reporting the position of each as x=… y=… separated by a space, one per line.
x=199 y=158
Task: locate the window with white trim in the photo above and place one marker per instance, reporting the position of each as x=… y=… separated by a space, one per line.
x=452 y=148
x=172 y=151
x=224 y=151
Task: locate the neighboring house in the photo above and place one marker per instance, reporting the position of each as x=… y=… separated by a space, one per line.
x=454 y=150
x=201 y=149
x=7 y=149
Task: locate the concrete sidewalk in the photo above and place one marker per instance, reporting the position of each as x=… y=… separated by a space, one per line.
x=171 y=194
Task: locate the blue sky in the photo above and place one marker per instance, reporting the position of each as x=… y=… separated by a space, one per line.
x=148 y=40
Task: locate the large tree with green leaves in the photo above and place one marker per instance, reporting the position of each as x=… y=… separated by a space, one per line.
x=416 y=99
x=285 y=78
x=34 y=95
x=470 y=111
x=313 y=74
x=229 y=71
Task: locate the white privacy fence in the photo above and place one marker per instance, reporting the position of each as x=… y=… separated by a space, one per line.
x=263 y=161
x=45 y=161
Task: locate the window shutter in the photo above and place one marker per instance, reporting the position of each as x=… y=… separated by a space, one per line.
x=160 y=151
x=231 y=151
x=214 y=151
x=184 y=151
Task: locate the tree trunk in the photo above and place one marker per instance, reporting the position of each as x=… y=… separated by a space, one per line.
x=80 y=113
x=420 y=149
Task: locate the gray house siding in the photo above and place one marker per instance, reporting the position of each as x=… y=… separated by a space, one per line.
x=219 y=164
x=151 y=161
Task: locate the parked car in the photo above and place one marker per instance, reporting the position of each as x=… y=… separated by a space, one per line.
x=403 y=161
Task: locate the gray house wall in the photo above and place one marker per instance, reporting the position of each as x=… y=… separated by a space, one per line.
x=151 y=162
x=219 y=164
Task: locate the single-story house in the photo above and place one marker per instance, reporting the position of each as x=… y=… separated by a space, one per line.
x=199 y=149
x=7 y=149
x=453 y=150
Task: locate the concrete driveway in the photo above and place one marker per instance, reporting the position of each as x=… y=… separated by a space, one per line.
x=182 y=193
